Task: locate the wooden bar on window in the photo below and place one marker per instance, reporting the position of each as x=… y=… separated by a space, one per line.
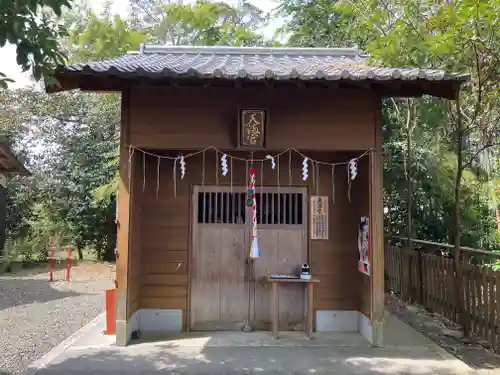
x=296 y=214
x=226 y=202
x=261 y=205
x=284 y=208
x=265 y=207
x=203 y=202
x=209 y=203
x=237 y=207
x=273 y=220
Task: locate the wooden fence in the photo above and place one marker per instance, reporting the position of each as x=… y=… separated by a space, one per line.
x=430 y=280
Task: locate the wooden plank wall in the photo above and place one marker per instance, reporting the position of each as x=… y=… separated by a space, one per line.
x=135 y=239
x=123 y=221
x=189 y=118
x=166 y=229
x=128 y=229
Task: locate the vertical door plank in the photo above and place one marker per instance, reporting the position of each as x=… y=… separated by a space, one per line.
x=233 y=297
x=264 y=266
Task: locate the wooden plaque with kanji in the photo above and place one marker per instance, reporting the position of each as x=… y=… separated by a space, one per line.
x=252 y=127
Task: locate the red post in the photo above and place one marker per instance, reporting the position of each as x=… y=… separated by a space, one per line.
x=110 y=312
x=51 y=263
x=68 y=266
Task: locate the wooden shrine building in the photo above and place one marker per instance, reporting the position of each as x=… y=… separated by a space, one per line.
x=198 y=125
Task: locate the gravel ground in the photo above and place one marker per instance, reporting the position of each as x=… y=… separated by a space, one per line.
x=36 y=315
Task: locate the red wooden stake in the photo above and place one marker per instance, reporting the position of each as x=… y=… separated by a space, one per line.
x=68 y=266
x=51 y=263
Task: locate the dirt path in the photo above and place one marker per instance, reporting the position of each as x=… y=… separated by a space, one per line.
x=447 y=335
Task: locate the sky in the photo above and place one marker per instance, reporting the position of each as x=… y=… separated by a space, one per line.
x=8 y=64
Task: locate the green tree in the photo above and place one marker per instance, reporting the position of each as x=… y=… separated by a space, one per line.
x=460 y=36
x=201 y=23
x=317 y=23
x=71 y=139
x=30 y=25
x=72 y=134
x=99 y=37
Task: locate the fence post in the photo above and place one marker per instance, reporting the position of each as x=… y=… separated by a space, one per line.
x=411 y=274
x=420 y=270
x=464 y=300
x=68 y=266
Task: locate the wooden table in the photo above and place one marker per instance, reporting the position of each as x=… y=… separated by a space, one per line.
x=275 y=282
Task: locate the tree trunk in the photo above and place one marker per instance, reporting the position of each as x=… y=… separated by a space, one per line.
x=109 y=253
x=79 y=248
x=462 y=310
x=409 y=197
x=408 y=176
x=98 y=253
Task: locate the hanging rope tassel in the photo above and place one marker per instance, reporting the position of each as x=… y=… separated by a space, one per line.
x=278 y=174
x=313 y=175
x=203 y=169
x=130 y=155
x=333 y=184
x=348 y=184
x=246 y=169
x=231 y=171
x=317 y=179
x=216 y=168
x=175 y=178
x=143 y=172
x=261 y=181
x=157 y=177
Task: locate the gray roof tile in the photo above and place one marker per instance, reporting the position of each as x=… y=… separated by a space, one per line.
x=255 y=63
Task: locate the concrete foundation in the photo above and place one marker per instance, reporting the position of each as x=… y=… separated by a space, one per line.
x=406 y=351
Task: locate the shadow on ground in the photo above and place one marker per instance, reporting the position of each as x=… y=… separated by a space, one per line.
x=17 y=292
x=154 y=358
x=32 y=267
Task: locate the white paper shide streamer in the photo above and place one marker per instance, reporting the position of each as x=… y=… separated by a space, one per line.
x=273 y=163
x=182 y=164
x=224 y=167
x=353 y=168
x=305 y=169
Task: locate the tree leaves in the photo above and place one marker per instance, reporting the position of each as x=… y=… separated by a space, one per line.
x=201 y=23
x=458 y=36
x=31 y=26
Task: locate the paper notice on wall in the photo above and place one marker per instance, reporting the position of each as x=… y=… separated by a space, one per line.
x=319 y=217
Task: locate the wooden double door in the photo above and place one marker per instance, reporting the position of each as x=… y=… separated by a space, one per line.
x=228 y=290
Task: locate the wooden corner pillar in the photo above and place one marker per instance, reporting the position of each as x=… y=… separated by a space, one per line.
x=123 y=227
x=377 y=233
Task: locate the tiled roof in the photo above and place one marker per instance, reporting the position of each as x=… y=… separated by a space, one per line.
x=256 y=63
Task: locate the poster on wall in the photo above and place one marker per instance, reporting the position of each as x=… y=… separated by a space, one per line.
x=319 y=217
x=364 y=246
